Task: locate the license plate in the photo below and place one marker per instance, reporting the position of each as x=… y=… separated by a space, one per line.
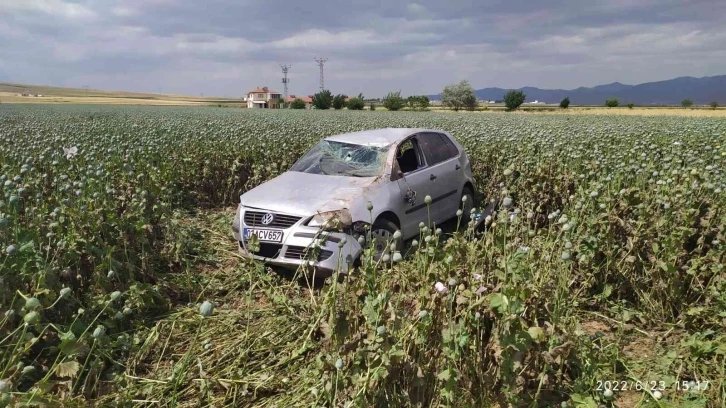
x=264 y=235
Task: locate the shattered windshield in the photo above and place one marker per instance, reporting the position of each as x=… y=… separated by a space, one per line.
x=342 y=159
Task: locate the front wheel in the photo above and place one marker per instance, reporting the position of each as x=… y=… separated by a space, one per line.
x=381 y=236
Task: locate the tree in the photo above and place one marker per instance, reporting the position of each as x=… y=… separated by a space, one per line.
x=393 y=101
x=612 y=102
x=297 y=104
x=714 y=104
x=565 y=103
x=373 y=106
x=339 y=102
x=458 y=96
x=420 y=102
x=356 y=103
x=514 y=99
x=630 y=105
x=469 y=99
x=687 y=103
x=323 y=99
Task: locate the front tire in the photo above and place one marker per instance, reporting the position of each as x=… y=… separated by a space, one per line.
x=382 y=235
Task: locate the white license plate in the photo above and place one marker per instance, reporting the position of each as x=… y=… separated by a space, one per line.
x=264 y=235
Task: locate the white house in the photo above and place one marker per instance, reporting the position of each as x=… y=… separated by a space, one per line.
x=263 y=98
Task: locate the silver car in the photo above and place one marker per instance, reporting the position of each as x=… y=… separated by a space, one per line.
x=353 y=190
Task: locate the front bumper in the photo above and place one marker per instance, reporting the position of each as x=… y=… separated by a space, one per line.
x=326 y=252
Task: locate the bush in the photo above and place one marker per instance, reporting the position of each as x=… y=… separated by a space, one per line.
x=514 y=99
x=687 y=103
x=630 y=105
x=418 y=102
x=565 y=103
x=339 y=102
x=714 y=105
x=373 y=106
x=393 y=101
x=297 y=104
x=356 y=103
x=612 y=102
x=323 y=99
x=459 y=96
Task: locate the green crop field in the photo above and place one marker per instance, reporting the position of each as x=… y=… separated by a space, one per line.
x=600 y=280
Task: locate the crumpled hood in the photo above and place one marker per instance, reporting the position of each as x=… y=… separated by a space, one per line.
x=305 y=194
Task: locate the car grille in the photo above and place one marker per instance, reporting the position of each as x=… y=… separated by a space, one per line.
x=254 y=219
x=267 y=250
x=300 y=252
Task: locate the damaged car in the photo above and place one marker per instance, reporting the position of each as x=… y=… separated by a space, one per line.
x=351 y=191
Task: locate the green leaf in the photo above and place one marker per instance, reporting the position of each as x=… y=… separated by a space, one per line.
x=495 y=300
x=444 y=375
x=583 y=401
x=536 y=333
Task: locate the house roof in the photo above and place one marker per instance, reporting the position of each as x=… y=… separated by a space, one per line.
x=306 y=99
x=376 y=137
x=261 y=90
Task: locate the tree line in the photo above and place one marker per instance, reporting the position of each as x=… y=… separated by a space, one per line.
x=459 y=96
x=393 y=101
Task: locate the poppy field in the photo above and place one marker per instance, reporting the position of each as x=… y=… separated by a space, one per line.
x=599 y=281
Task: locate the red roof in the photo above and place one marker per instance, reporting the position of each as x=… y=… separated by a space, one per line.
x=262 y=90
x=306 y=99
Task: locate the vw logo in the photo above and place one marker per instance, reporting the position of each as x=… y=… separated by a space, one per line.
x=267 y=218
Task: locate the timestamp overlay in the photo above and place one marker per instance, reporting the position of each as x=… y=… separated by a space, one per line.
x=657 y=388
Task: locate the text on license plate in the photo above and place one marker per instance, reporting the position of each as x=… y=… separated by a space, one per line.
x=265 y=235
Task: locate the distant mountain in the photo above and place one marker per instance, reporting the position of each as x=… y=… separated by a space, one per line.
x=701 y=91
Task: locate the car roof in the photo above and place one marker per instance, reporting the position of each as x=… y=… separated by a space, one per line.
x=377 y=137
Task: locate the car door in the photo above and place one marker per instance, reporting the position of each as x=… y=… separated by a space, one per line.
x=445 y=172
x=414 y=182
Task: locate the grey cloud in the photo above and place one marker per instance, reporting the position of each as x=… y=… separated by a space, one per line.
x=225 y=47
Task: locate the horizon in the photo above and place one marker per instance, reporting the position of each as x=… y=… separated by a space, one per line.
x=163 y=46
x=301 y=94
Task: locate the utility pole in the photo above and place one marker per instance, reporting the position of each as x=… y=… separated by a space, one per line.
x=285 y=80
x=321 y=62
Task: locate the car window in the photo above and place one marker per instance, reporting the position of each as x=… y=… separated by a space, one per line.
x=435 y=148
x=407 y=157
x=453 y=151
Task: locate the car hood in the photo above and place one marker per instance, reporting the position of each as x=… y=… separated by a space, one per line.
x=306 y=194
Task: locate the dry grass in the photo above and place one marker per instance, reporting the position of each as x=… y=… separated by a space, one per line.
x=586 y=110
x=104 y=101
x=695 y=112
x=11 y=93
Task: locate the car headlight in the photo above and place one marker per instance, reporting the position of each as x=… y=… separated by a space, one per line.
x=337 y=220
x=236 y=221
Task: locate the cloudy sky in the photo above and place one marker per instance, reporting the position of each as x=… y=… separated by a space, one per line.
x=226 y=47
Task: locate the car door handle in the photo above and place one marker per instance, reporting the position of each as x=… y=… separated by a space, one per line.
x=432 y=177
x=458 y=167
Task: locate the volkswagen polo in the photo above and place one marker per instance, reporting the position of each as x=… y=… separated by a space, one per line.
x=353 y=190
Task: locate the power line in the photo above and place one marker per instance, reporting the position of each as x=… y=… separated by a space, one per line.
x=321 y=62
